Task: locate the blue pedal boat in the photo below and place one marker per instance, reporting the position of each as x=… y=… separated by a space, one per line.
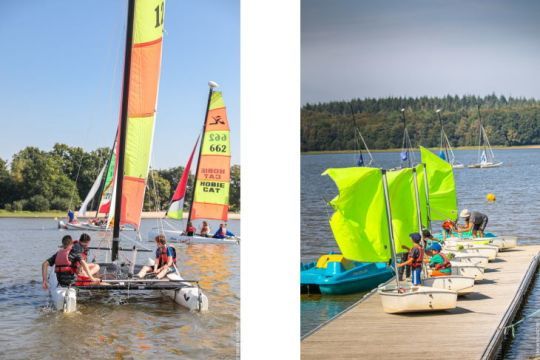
x=335 y=275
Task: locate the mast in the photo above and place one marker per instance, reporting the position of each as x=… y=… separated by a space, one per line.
x=426 y=188
x=389 y=221
x=123 y=130
x=443 y=136
x=406 y=140
x=480 y=133
x=212 y=85
x=356 y=131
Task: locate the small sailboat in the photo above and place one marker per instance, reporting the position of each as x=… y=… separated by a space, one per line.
x=486 y=158
x=445 y=150
x=210 y=196
x=134 y=142
x=359 y=140
x=406 y=155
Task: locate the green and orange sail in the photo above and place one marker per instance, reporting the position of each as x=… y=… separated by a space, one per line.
x=142 y=102
x=212 y=181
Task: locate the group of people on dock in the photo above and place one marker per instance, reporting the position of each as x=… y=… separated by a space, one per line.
x=425 y=244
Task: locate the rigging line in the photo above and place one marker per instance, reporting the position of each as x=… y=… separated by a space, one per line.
x=156 y=199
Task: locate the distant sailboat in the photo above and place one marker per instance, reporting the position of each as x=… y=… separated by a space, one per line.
x=406 y=155
x=210 y=196
x=359 y=140
x=445 y=150
x=486 y=158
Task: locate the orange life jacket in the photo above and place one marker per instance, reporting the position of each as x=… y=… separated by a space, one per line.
x=419 y=260
x=62 y=264
x=445 y=265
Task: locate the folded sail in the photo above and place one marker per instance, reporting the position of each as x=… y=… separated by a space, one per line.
x=177 y=202
x=442 y=187
x=359 y=223
x=142 y=101
x=402 y=195
x=92 y=192
x=211 y=199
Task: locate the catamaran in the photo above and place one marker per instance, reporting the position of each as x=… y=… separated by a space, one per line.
x=210 y=195
x=137 y=119
x=445 y=149
x=486 y=158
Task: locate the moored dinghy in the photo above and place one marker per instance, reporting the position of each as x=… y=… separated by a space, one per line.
x=475 y=271
x=415 y=298
x=484 y=250
x=460 y=284
x=470 y=258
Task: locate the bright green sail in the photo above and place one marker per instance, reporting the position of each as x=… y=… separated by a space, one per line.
x=359 y=223
x=442 y=187
x=403 y=206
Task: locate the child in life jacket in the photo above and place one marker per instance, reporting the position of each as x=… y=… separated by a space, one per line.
x=165 y=261
x=415 y=259
x=439 y=262
x=80 y=247
x=65 y=263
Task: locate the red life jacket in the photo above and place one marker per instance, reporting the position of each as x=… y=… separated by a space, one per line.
x=445 y=265
x=62 y=263
x=163 y=256
x=419 y=260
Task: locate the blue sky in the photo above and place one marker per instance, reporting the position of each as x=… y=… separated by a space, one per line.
x=358 y=49
x=61 y=69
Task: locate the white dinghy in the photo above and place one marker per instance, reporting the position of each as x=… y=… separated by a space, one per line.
x=504 y=242
x=470 y=258
x=475 y=271
x=484 y=250
x=415 y=298
x=461 y=284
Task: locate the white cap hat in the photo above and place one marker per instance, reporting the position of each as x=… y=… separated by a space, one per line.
x=464 y=213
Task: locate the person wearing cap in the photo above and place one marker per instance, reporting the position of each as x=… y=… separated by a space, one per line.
x=475 y=221
x=415 y=259
x=439 y=262
x=428 y=238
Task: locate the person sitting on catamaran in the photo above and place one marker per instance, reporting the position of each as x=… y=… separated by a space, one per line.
x=416 y=257
x=205 y=229
x=71 y=217
x=222 y=232
x=475 y=221
x=81 y=247
x=65 y=265
x=190 y=230
x=165 y=260
x=439 y=262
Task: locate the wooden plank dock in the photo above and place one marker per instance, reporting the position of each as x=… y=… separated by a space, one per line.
x=474 y=330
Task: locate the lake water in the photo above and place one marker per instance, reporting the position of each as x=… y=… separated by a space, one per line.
x=516 y=212
x=121 y=326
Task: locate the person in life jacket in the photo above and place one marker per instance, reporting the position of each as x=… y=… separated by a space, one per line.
x=80 y=247
x=65 y=265
x=205 y=229
x=439 y=262
x=190 y=229
x=448 y=228
x=222 y=232
x=165 y=261
x=415 y=259
x=475 y=221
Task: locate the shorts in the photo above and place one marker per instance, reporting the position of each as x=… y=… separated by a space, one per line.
x=82 y=280
x=482 y=225
x=416 y=276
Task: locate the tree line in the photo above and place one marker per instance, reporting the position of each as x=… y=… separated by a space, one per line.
x=59 y=179
x=508 y=121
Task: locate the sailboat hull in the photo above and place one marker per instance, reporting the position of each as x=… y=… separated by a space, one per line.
x=416 y=299
x=475 y=271
x=175 y=236
x=85 y=226
x=460 y=284
x=484 y=165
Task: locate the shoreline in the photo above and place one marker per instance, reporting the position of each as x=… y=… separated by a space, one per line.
x=498 y=147
x=90 y=214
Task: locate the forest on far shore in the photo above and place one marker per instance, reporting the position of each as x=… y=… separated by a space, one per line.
x=59 y=179
x=508 y=121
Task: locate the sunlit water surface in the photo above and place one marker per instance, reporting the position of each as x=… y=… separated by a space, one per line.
x=516 y=212
x=141 y=325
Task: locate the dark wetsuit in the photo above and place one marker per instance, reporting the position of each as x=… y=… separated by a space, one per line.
x=65 y=278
